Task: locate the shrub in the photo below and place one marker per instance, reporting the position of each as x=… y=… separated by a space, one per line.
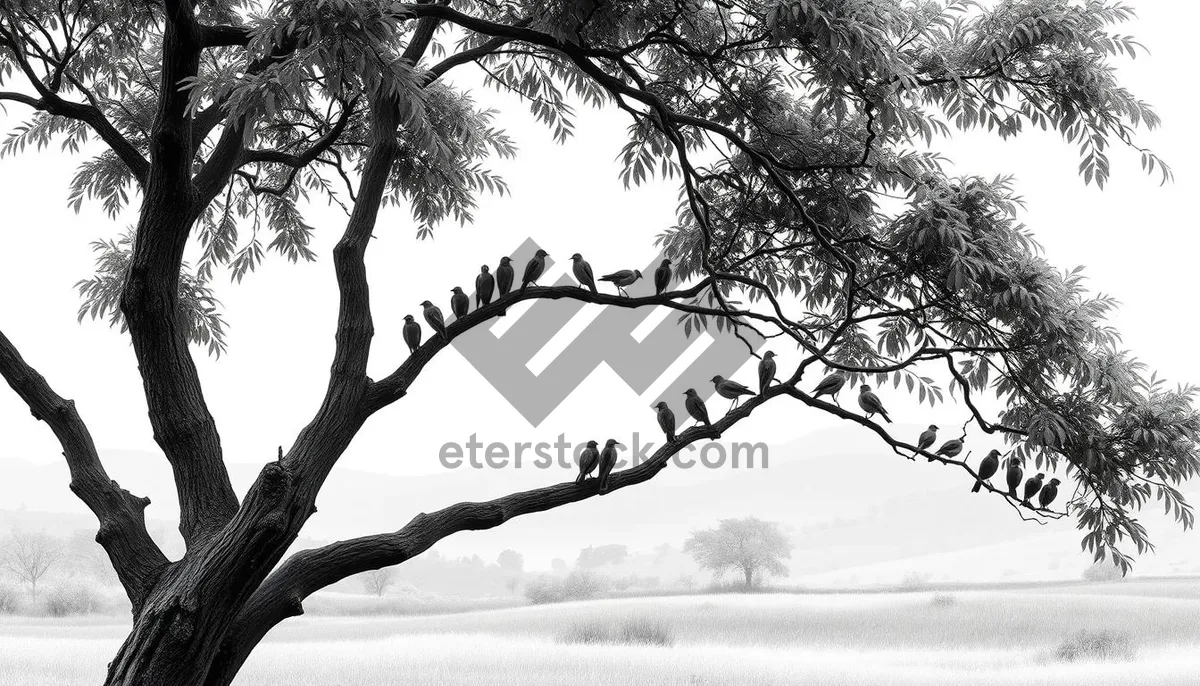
x=646 y=632
x=72 y=598
x=588 y=633
x=943 y=600
x=1100 y=646
x=10 y=599
x=1103 y=571
x=575 y=586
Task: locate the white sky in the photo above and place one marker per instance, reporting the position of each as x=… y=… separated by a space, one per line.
x=1136 y=238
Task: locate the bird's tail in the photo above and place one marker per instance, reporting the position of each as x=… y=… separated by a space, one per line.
x=885 y=417
x=579 y=479
x=671 y=437
x=929 y=458
x=604 y=484
x=1026 y=503
x=978 y=485
x=1012 y=492
x=592 y=286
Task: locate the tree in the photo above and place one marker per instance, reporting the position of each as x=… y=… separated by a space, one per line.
x=377 y=581
x=511 y=561
x=512 y=583
x=29 y=556
x=750 y=546
x=598 y=556
x=787 y=124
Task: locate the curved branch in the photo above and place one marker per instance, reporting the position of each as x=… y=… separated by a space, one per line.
x=133 y=554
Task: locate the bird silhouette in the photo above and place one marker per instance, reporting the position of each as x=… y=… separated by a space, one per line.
x=485 y=285
x=1013 y=476
x=831 y=386
x=534 y=268
x=433 y=317
x=460 y=304
x=766 y=371
x=950 y=448
x=662 y=277
x=730 y=389
x=412 y=334
x=988 y=467
x=588 y=459
x=1048 y=494
x=583 y=272
x=666 y=419
x=504 y=276
x=695 y=407
x=622 y=279
x=1032 y=486
x=871 y=404
x=608 y=460
x=927 y=437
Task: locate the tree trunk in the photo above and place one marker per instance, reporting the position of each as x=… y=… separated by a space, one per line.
x=749 y=578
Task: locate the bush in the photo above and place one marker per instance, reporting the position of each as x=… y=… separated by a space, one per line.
x=10 y=599
x=635 y=631
x=1100 y=646
x=1103 y=571
x=575 y=586
x=75 y=598
x=943 y=600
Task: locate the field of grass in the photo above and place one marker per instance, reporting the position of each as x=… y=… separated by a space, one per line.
x=966 y=637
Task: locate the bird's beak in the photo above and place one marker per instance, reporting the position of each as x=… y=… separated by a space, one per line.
x=620 y=445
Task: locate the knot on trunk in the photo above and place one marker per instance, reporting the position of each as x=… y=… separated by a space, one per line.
x=275 y=480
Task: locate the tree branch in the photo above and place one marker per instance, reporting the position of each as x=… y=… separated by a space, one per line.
x=133 y=554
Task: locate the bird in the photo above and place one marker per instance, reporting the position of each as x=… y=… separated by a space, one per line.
x=950 y=448
x=662 y=277
x=608 y=460
x=433 y=316
x=622 y=279
x=988 y=467
x=412 y=334
x=1013 y=476
x=831 y=386
x=583 y=272
x=927 y=437
x=871 y=404
x=588 y=459
x=504 y=276
x=485 y=285
x=766 y=371
x=534 y=268
x=460 y=303
x=695 y=407
x=1032 y=486
x=1048 y=494
x=666 y=419
x=730 y=389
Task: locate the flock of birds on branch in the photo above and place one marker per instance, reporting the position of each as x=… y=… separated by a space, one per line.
x=592 y=457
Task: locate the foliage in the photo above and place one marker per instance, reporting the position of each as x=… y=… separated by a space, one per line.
x=749 y=546
x=1097 y=646
x=511 y=561
x=28 y=556
x=598 y=556
x=578 y=585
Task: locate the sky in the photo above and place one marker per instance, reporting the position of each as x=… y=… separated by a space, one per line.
x=1136 y=238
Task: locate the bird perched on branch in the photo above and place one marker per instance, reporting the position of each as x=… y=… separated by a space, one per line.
x=666 y=419
x=766 y=371
x=1032 y=487
x=662 y=277
x=608 y=460
x=460 y=304
x=583 y=272
x=871 y=404
x=412 y=334
x=927 y=437
x=830 y=386
x=534 y=268
x=730 y=389
x=1013 y=476
x=485 y=285
x=1048 y=494
x=504 y=276
x=588 y=459
x=950 y=448
x=433 y=317
x=695 y=407
x=988 y=467
x=622 y=279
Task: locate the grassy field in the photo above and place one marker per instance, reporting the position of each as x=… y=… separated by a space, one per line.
x=968 y=637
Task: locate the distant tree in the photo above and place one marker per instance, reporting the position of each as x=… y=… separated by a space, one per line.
x=1103 y=571
x=599 y=556
x=511 y=561
x=30 y=555
x=377 y=581
x=558 y=564
x=512 y=584
x=750 y=546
